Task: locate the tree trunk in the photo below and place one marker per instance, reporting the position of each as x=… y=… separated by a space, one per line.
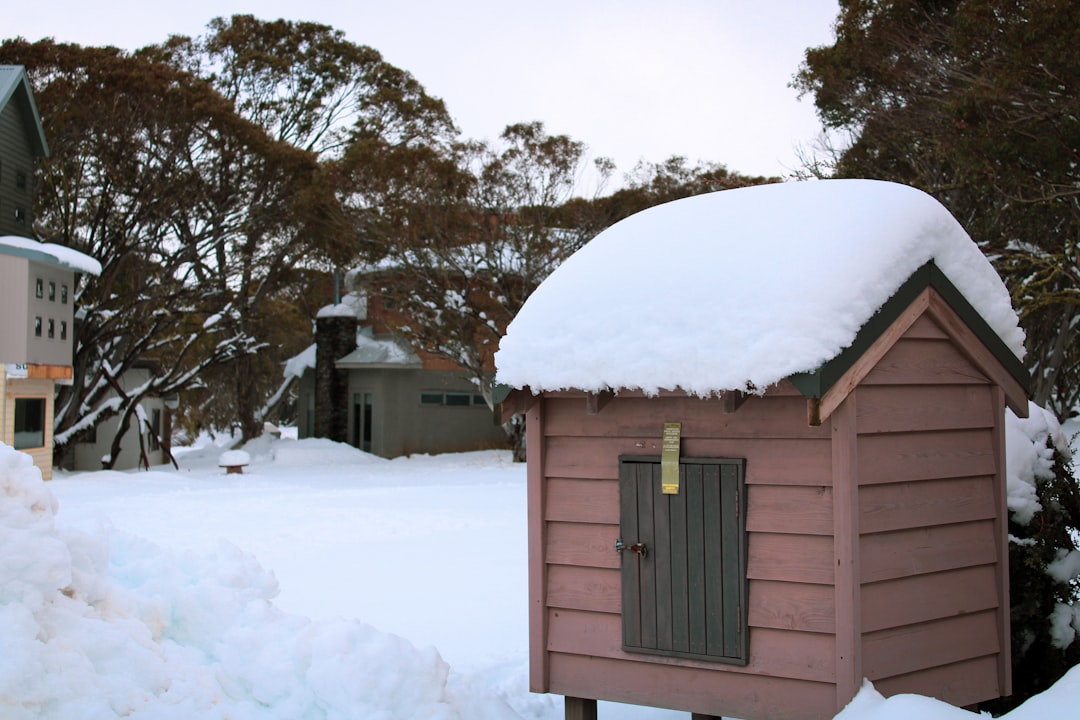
x=515 y=432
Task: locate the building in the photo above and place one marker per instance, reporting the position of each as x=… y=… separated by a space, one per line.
x=146 y=442
x=780 y=470
x=37 y=284
x=363 y=387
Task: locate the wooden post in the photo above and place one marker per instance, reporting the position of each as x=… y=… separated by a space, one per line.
x=845 y=473
x=580 y=708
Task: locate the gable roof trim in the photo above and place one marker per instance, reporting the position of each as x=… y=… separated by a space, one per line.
x=15 y=85
x=902 y=309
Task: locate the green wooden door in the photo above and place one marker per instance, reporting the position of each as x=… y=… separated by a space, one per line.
x=684 y=560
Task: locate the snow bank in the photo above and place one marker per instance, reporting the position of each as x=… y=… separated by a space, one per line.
x=1060 y=701
x=320 y=451
x=108 y=625
x=739 y=288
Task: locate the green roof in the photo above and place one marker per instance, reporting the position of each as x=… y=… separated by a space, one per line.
x=15 y=87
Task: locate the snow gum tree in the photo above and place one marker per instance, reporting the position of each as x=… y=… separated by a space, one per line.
x=463 y=233
x=313 y=92
x=976 y=102
x=199 y=173
x=130 y=142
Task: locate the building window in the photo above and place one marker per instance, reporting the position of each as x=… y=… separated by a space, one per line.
x=37 y=327
x=683 y=559
x=29 y=423
x=52 y=328
x=52 y=291
x=155 y=429
x=39 y=288
x=20 y=215
x=363 y=420
x=20 y=180
x=452 y=399
x=63 y=294
x=63 y=329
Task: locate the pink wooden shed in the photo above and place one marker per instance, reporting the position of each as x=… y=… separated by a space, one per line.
x=845 y=522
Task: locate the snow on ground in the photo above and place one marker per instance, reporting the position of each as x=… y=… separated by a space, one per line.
x=322 y=583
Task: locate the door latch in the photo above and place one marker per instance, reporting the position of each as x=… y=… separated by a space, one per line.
x=638 y=548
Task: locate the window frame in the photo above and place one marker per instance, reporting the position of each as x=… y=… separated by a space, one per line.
x=19 y=424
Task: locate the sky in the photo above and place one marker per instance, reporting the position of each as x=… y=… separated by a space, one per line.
x=632 y=79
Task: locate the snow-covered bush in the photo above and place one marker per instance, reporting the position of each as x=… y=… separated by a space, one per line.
x=1044 y=562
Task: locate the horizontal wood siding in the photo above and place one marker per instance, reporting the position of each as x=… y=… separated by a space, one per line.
x=921 y=598
x=962 y=683
x=902 y=650
x=700 y=690
x=789 y=524
x=35 y=388
x=929 y=532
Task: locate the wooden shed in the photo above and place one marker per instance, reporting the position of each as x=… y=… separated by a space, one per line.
x=841 y=521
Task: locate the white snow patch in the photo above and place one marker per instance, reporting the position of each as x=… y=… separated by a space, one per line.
x=232 y=458
x=352 y=305
x=296 y=365
x=1029 y=457
x=59 y=254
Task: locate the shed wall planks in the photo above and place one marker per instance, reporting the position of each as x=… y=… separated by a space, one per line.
x=963 y=683
x=801 y=656
x=898 y=651
x=803 y=462
x=700 y=690
x=923 y=450
x=921 y=598
x=905 y=505
x=924 y=362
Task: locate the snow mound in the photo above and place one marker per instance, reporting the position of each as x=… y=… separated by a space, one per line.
x=107 y=625
x=320 y=451
x=234 y=457
x=1059 y=701
x=739 y=289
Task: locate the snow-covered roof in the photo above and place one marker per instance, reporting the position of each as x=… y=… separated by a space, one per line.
x=371 y=350
x=353 y=305
x=297 y=364
x=740 y=288
x=49 y=253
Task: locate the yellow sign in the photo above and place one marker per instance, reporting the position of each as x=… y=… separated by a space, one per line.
x=669 y=458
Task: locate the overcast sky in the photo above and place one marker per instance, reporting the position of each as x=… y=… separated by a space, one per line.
x=633 y=79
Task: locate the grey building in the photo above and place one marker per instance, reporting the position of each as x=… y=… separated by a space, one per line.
x=368 y=390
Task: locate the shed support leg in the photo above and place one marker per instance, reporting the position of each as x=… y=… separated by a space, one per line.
x=580 y=709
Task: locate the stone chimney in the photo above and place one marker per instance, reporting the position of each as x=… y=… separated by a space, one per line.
x=335 y=337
